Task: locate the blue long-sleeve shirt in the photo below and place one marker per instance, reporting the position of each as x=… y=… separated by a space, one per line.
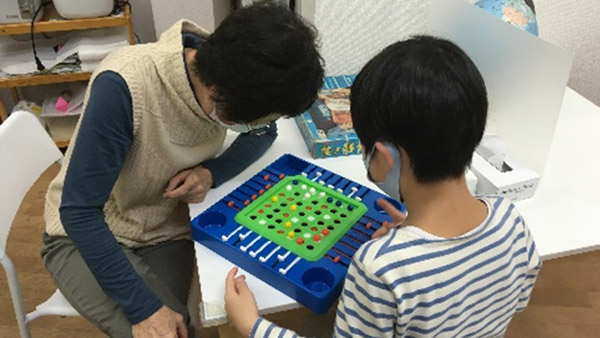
x=105 y=136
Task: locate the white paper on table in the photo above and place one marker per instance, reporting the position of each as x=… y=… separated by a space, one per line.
x=266 y=296
x=525 y=76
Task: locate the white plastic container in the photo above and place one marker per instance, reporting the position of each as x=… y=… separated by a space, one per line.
x=79 y=9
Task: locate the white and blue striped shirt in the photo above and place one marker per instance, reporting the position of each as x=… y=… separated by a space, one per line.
x=412 y=284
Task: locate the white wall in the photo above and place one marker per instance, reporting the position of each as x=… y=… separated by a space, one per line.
x=575 y=26
x=143 y=20
x=206 y=13
x=352 y=31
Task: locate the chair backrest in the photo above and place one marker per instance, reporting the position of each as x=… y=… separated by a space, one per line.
x=26 y=151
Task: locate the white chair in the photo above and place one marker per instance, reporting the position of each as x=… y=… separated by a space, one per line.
x=26 y=151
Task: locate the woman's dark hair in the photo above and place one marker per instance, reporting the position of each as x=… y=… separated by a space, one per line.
x=261 y=59
x=426 y=96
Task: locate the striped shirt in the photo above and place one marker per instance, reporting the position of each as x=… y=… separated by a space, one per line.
x=410 y=283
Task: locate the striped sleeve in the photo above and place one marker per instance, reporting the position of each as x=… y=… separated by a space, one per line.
x=367 y=307
x=534 y=264
x=264 y=328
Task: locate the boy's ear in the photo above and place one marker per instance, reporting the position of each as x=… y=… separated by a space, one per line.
x=386 y=155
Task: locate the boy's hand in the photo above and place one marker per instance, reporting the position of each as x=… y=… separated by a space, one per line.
x=164 y=323
x=190 y=186
x=239 y=303
x=396 y=215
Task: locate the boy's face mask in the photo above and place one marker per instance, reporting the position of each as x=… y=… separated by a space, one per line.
x=390 y=185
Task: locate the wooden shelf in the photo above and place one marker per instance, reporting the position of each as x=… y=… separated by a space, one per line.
x=50 y=22
x=63 y=25
x=35 y=80
x=62 y=143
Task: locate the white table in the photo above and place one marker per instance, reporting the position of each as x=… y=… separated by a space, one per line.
x=561 y=214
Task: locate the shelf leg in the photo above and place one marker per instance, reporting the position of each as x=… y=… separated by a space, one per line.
x=3 y=115
x=15 y=95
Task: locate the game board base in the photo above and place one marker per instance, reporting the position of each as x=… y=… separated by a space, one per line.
x=315 y=284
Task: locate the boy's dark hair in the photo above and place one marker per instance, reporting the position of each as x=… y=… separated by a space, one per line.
x=261 y=59
x=426 y=96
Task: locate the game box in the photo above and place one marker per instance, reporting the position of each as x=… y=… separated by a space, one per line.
x=327 y=126
x=294 y=225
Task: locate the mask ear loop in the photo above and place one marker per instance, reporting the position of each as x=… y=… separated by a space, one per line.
x=368 y=156
x=392 y=188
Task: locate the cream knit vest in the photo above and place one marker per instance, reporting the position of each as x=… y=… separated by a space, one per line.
x=170 y=133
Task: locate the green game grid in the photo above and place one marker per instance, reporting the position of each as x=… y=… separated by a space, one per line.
x=274 y=228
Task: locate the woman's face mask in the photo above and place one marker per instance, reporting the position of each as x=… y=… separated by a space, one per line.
x=390 y=185
x=240 y=128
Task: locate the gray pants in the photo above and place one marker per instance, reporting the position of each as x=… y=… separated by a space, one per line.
x=166 y=268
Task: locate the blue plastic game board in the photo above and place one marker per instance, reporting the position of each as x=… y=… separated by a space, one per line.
x=294 y=225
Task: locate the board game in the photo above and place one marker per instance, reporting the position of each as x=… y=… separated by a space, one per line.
x=294 y=225
x=327 y=125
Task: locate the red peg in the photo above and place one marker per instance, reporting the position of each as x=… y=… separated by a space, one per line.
x=336 y=259
x=231 y=204
x=325 y=232
x=317 y=238
x=267 y=177
x=281 y=176
x=261 y=191
x=369 y=225
x=254 y=197
x=246 y=202
x=268 y=186
x=300 y=241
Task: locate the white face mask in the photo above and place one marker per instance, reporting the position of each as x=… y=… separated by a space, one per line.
x=240 y=128
x=391 y=184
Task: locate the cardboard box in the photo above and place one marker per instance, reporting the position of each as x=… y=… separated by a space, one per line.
x=327 y=126
x=515 y=181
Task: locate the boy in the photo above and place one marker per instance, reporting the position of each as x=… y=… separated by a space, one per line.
x=457 y=266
